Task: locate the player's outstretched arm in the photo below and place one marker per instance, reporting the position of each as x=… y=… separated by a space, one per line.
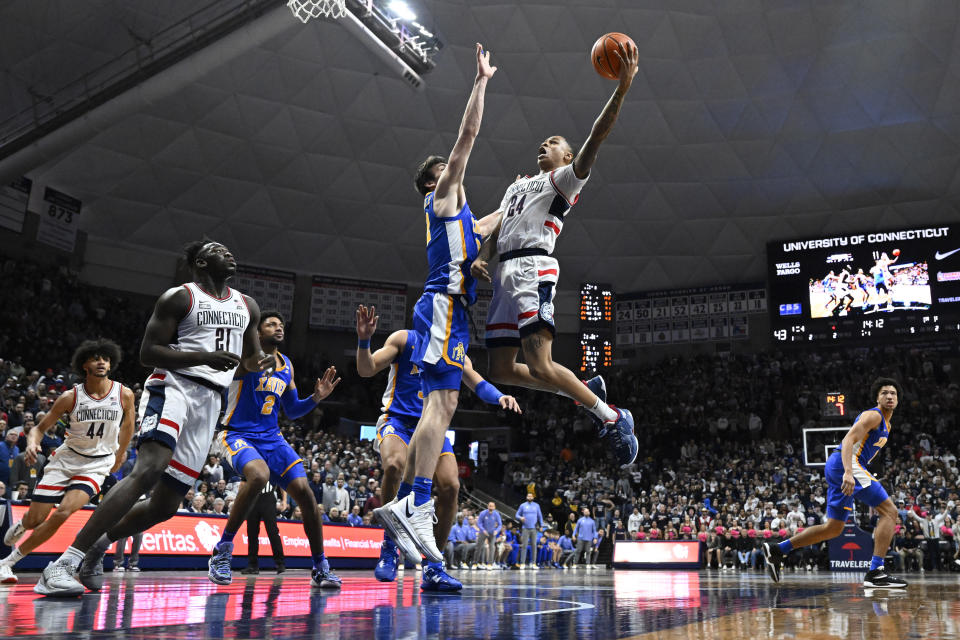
x=448 y=193
x=629 y=59
x=867 y=422
x=486 y=391
x=369 y=364
x=294 y=407
x=61 y=405
x=127 y=426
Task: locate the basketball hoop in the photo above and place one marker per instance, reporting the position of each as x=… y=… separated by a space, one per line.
x=305 y=10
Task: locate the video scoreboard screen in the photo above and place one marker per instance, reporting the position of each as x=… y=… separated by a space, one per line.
x=868 y=286
x=596 y=327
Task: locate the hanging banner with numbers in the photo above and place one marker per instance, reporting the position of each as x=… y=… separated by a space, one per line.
x=333 y=303
x=13 y=204
x=271 y=288
x=59 y=220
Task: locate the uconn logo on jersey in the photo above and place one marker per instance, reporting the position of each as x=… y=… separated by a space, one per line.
x=84 y=414
x=527 y=187
x=219 y=318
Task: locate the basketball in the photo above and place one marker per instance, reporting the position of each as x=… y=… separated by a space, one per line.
x=896 y=253
x=604 y=54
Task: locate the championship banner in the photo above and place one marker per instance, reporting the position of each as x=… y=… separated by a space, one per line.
x=196 y=534
x=59 y=220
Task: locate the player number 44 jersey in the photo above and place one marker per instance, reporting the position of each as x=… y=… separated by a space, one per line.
x=95 y=422
x=533 y=209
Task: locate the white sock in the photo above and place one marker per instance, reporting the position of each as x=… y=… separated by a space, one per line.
x=603 y=411
x=12 y=559
x=72 y=556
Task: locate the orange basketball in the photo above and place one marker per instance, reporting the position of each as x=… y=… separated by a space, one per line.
x=604 y=54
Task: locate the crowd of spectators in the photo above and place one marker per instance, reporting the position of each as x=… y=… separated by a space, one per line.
x=721 y=443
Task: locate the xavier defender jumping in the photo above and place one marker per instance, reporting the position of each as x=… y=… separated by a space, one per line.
x=192 y=339
x=847 y=478
x=252 y=442
x=101 y=416
x=402 y=407
x=521 y=312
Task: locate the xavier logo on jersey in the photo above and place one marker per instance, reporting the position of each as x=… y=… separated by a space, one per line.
x=272 y=385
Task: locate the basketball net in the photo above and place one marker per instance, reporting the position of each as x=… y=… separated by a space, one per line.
x=305 y=10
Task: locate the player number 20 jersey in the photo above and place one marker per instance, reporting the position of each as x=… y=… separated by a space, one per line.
x=533 y=209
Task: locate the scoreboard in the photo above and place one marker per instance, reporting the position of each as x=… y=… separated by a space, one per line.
x=870 y=286
x=833 y=404
x=596 y=326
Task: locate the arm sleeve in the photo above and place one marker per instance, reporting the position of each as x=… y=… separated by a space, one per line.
x=293 y=406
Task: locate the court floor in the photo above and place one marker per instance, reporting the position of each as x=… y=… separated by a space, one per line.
x=545 y=604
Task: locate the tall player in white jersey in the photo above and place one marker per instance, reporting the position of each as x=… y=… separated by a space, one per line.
x=521 y=312
x=101 y=416
x=192 y=340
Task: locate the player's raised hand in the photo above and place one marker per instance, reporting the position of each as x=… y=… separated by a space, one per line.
x=510 y=404
x=478 y=269
x=484 y=70
x=326 y=384
x=366 y=322
x=629 y=60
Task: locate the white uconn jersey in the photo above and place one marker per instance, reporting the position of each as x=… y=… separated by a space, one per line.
x=95 y=422
x=212 y=324
x=534 y=207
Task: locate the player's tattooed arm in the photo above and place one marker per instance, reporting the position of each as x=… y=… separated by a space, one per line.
x=629 y=61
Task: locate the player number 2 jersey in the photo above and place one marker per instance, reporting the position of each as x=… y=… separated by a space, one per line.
x=868 y=448
x=533 y=209
x=212 y=324
x=95 y=422
x=254 y=399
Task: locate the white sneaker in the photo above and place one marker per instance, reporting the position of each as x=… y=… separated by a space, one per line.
x=7 y=576
x=535 y=567
x=385 y=516
x=14 y=533
x=59 y=579
x=418 y=523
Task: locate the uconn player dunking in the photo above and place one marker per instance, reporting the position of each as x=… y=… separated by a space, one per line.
x=847 y=478
x=101 y=417
x=402 y=408
x=440 y=317
x=192 y=339
x=521 y=311
x=252 y=442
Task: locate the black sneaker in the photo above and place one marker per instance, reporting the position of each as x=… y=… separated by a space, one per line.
x=774 y=558
x=878 y=578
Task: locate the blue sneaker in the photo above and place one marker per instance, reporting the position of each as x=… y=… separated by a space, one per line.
x=324 y=578
x=621 y=438
x=436 y=579
x=219 y=563
x=386 y=570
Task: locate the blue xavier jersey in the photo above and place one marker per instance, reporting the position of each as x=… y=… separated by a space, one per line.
x=403 y=396
x=868 y=448
x=452 y=244
x=254 y=399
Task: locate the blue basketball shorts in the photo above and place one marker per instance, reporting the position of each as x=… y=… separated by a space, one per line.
x=403 y=429
x=443 y=326
x=242 y=448
x=867 y=488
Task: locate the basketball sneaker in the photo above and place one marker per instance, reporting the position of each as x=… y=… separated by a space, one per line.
x=384 y=516
x=386 y=570
x=774 y=560
x=324 y=578
x=436 y=579
x=878 y=578
x=7 y=576
x=58 y=580
x=14 y=533
x=418 y=523
x=218 y=566
x=621 y=438
x=90 y=573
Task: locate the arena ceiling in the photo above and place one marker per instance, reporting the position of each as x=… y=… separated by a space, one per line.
x=749 y=121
